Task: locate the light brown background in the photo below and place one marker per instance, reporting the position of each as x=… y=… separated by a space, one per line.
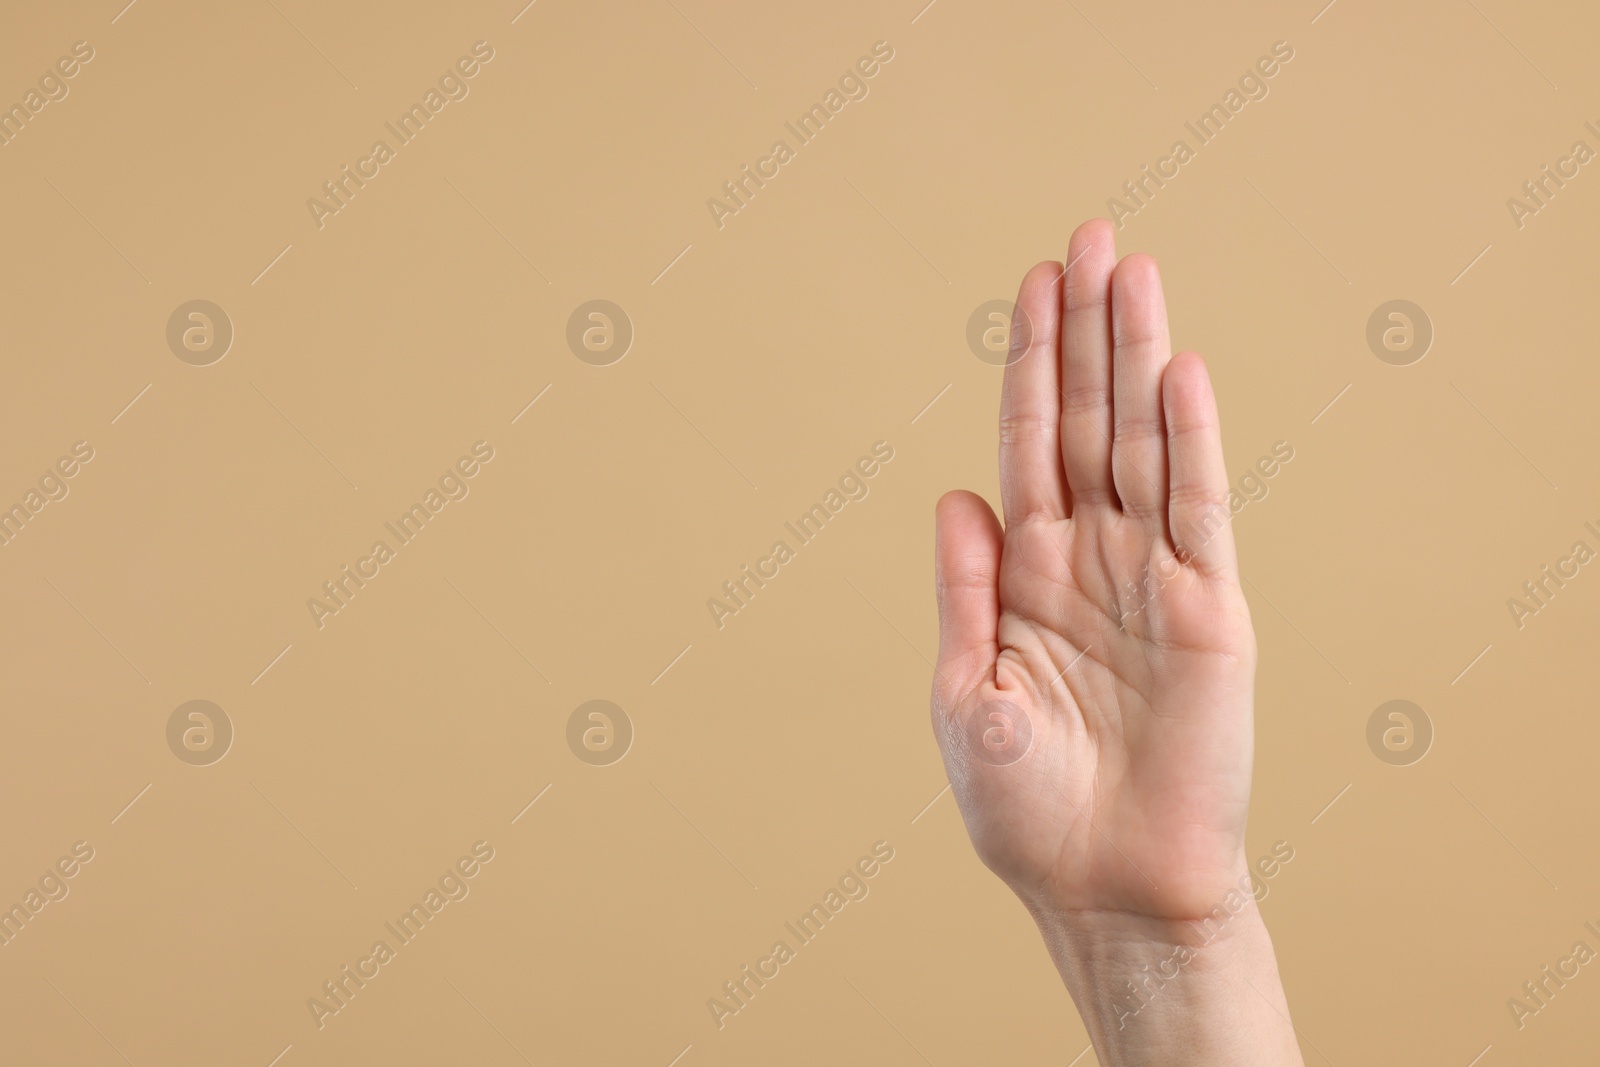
x=823 y=318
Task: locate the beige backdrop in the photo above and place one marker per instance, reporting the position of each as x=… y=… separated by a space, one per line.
x=368 y=750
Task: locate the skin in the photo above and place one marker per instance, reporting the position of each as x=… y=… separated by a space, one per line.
x=1094 y=693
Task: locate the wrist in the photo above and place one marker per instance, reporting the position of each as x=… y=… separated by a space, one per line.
x=1156 y=991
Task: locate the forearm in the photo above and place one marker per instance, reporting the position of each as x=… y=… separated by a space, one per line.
x=1157 y=994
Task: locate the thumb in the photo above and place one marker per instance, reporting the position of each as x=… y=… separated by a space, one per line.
x=967 y=545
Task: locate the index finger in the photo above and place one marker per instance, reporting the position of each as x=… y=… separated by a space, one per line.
x=1032 y=482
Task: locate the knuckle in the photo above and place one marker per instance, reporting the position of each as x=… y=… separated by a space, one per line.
x=1143 y=508
x=1081 y=396
x=1026 y=428
x=1197 y=500
x=1087 y=295
x=1138 y=429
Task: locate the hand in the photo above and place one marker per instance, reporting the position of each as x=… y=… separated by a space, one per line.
x=1094 y=690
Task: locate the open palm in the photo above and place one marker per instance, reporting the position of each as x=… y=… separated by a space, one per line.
x=1093 y=696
